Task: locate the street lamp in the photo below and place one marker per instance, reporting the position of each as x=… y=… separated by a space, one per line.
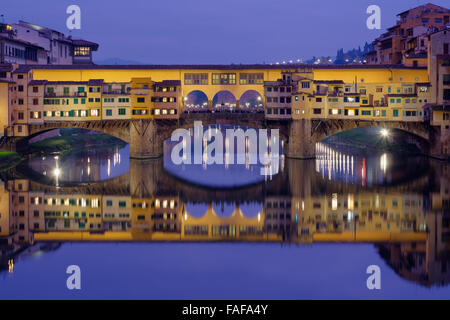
x=384 y=132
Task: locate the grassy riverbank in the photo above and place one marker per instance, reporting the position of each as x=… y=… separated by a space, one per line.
x=66 y=144
x=9 y=159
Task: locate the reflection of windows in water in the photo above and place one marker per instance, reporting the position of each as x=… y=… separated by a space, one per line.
x=196 y=230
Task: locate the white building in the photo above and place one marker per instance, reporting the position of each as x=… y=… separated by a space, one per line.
x=26 y=43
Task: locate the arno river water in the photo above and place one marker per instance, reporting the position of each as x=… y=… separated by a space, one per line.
x=152 y=229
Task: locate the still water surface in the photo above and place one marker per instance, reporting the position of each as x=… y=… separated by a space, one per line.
x=141 y=229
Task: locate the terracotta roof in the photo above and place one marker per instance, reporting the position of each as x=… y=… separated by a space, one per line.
x=85 y=43
x=37 y=82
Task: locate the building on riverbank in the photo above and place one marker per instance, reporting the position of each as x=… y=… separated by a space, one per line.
x=27 y=43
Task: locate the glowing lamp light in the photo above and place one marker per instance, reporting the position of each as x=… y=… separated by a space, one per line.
x=384 y=132
x=56 y=172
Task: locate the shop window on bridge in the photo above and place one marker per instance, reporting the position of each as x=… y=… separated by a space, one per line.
x=195 y=78
x=317 y=111
x=350 y=112
x=140 y=112
x=395 y=113
x=224 y=78
x=365 y=112
x=351 y=99
x=305 y=85
x=251 y=78
x=410 y=113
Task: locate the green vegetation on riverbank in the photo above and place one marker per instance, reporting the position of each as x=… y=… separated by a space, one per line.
x=9 y=160
x=65 y=144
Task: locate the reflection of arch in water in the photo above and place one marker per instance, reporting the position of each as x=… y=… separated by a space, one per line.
x=196 y=99
x=196 y=210
x=224 y=100
x=251 y=209
x=224 y=209
x=251 y=99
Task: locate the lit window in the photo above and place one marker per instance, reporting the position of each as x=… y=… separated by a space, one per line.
x=94 y=203
x=334 y=202
x=82 y=51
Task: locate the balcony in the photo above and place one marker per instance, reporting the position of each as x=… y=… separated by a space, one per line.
x=64 y=95
x=116 y=92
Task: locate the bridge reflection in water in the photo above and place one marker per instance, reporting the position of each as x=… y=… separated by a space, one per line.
x=338 y=197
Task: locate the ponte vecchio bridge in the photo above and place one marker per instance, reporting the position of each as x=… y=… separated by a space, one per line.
x=142 y=105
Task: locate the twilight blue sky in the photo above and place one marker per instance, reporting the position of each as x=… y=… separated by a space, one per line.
x=214 y=31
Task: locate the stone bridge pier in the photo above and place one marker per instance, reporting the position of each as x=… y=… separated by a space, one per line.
x=145 y=140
